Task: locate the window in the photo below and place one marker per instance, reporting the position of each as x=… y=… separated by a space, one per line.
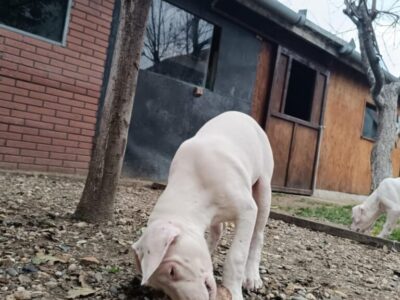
x=179 y=45
x=370 y=122
x=300 y=91
x=44 y=18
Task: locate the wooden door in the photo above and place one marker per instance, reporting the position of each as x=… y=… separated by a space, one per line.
x=294 y=120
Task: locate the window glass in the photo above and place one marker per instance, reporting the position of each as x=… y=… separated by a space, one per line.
x=370 y=122
x=300 y=91
x=177 y=44
x=45 y=18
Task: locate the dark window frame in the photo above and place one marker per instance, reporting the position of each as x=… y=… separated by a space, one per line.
x=367 y=106
x=213 y=58
x=63 y=41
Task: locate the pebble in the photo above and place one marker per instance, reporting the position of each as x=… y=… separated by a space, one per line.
x=72 y=268
x=12 y=272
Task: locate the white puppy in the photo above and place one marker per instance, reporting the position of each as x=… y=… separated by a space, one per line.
x=386 y=198
x=221 y=174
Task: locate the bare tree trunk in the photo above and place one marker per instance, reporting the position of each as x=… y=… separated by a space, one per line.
x=97 y=201
x=381 y=155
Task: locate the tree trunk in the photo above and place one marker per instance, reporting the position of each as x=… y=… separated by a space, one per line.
x=97 y=201
x=381 y=155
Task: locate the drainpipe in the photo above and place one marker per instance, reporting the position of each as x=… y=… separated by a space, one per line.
x=347 y=49
x=283 y=11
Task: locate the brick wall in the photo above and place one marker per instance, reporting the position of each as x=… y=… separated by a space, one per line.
x=49 y=93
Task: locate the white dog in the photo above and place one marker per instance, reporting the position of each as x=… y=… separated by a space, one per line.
x=221 y=174
x=386 y=198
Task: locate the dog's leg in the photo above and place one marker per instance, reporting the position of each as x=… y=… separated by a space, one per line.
x=262 y=195
x=235 y=262
x=214 y=236
x=391 y=219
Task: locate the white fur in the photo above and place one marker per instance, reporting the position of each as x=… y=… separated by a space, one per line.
x=221 y=174
x=385 y=199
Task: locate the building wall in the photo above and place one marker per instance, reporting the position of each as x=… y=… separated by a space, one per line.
x=49 y=93
x=344 y=163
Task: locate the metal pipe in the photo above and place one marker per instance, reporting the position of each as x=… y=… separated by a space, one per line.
x=283 y=11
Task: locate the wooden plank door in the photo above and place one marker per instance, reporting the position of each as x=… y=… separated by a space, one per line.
x=294 y=119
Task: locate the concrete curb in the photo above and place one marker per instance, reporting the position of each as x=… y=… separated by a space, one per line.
x=336 y=231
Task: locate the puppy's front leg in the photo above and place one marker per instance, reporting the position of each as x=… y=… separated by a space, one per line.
x=391 y=219
x=235 y=263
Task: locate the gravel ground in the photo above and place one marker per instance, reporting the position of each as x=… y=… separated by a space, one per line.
x=46 y=255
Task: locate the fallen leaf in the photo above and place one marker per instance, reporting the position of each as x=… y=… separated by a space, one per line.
x=88 y=260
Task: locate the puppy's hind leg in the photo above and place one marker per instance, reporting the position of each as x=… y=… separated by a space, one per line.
x=391 y=219
x=262 y=196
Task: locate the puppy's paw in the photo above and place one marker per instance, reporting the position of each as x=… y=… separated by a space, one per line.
x=252 y=282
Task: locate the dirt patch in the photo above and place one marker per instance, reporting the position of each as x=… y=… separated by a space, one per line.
x=46 y=255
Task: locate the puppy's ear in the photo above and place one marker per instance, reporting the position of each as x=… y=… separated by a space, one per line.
x=362 y=210
x=151 y=248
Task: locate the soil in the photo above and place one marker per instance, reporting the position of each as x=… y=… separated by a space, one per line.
x=45 y=254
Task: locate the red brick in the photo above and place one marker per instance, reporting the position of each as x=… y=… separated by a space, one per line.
x=11 y=34
x=82 y=36
x=34 y=153
x=53 y=134
x=98 y=21
x=104 y=30
x=7 y=81
x=80 y=138
x=97 y=68
x=48 y=162
x=89 y=86
x=87 y=9
x=42 y=110
x=83 y=158
x=91 y=106
x=83 y=111
x=20 y=144
x=46 y=82
x=62 y=170
x=83 y=2
x=30 y=86
x=3 y=127
x=102 y=43
x=107 y=16
x=94 y=47
x=99 y=55
x=11 y=120
x=96 y=34
x=35 y=57
x=71 y=102
x=23 y=129
x=73 y=88
x=2 y=143
x=76 y=164
x=91 y=120
x=63 y=156
x=54 y=120
x=74 y=26
x=91 y=73
x=50 y=54
x=43 y=96
x=62 y=142
x=68 y=129
x=63 y=65
x=62 y=79
x=74 y=40
x=31 y=167
x=76 y=75
x=20 y=45
x=17 y=59
x=49 y=68
x=77 y=62
x=13 y=89
x=66 y=51
x=36 y=139
x=5 y=112
x=32 y=71
x=25 y=115
x=40 y=125
x=9 y=49
x=8 y=64
x=15 y=74
x=57 y=106
x=82 y=172
x=67 y=115
x=37 y=42
x=95 y=81
x=27 y=100
x=85 y=145
x=88 y=132
x=84 y=125
x=51 y=148
x=7 y=165
x=78 y=13
x=78 y=151
x=83 y=22
x=18 y=159
x=8 y=150
x=60 y=93
x=80 y=49
x=12 y=105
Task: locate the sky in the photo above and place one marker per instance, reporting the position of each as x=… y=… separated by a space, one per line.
x=329 y=15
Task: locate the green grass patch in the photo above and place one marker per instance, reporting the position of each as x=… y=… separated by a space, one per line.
x=342 y=215
x=113 y=269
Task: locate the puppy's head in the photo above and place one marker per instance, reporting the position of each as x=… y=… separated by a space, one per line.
x=362 y=219
x=177 y=263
